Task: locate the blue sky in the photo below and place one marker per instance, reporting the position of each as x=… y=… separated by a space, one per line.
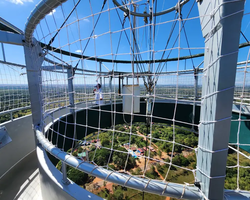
x=104 y=44
x=22 y=9
x=16 y=12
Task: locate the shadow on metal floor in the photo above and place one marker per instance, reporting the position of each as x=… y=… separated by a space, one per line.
x=22 y=181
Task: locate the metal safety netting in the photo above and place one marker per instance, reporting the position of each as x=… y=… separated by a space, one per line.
x=133 y=100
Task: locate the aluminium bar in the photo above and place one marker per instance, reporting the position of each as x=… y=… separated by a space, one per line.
x=100 y=72
x=221 y=17
x=52 y=68
x=4 y=58
x=70 y=77
x=126 y=10
x=65 y=181
x=244 y=62
x=34 y=61
x=13 y=64
x=11 y=38
x=40 y=11
x=54 y=102
x=56 y=63
x=14 y=110
x=60 y=51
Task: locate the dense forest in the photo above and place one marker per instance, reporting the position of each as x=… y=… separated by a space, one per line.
x=12 y=97
x=134 y=165
x=162 y=135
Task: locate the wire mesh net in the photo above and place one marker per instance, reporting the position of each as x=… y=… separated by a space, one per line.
x=238 y=157
x=101 y=60
x=15 y=100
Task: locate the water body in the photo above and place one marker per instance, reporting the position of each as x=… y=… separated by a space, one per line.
x=243 y=127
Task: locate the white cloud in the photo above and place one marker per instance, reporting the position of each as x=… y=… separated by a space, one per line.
x=19 y=1
x=86 y=20
x=52 y=12
x=78 y=51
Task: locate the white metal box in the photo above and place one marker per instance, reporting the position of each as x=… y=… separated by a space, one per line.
x=131 y=96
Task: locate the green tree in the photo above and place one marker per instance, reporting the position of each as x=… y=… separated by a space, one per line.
x=118 y=194
x=181 y=160
x=105 y=142
x=77 y=176
x=101 y=156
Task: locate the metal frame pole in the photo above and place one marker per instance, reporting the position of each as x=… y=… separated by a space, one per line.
x=100 y=72
x=71 y=89
x=34 y=58
x=110 y=98
x=195 y=95
x=11 y=116
x=4 y=59
x=221 y=24
x=70 y=74
x=64 y=173
x=104 y=88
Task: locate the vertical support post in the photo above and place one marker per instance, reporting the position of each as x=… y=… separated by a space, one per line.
x=134 y=36
x=70 y=76
x=220 y=24
x=104 y=85
x=71 y=89
x=4 y=58
x=196 y=84
x=34 y=58
x=195 y=94
x=64 y=173
x=11 y=116
x=100 y=72
x=119 y=85
x=110 y=98
x=149 y=102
